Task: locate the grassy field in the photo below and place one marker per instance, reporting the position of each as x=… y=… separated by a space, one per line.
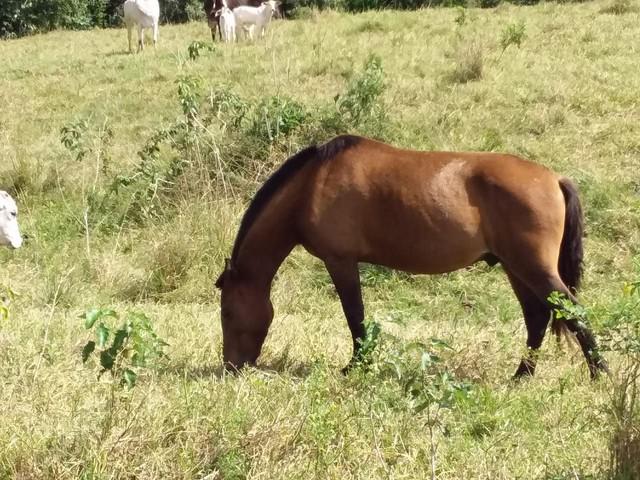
x=185 y=141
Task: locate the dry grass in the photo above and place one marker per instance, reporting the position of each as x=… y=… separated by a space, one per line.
x=566 y=98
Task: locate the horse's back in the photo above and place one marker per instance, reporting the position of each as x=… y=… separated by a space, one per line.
x=425 y=212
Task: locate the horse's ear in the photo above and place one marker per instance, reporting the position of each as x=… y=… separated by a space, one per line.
x=220 y=282
x=227 y=269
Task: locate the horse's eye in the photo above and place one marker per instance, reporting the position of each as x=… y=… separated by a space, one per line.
x=14 y=214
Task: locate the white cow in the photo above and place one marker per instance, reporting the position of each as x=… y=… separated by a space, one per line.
x=227 y=24
x=9 y=230
x=144 y=14
x=255 y=17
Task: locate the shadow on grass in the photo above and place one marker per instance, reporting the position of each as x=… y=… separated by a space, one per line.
x=119 y=53
x=210 y=372
x=572 y=475
x=194 y=372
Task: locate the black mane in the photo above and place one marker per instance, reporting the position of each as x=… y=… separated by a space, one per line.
x=283 y=174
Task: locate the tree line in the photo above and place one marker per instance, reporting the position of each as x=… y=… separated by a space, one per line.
x=25 y=17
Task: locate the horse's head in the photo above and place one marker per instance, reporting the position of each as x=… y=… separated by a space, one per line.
x=9 y=230
x=246 y=313
x=212 y=8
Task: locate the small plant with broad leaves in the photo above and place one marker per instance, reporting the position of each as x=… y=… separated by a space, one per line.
x=426 y=382
x=6 y=297
x=432 y=390
x=566 y=309
x=428 y=386
x=125 y=350
x=195 y=48
x=83 y=138
x=189 y=92
x=369 y=343
x=513 y=34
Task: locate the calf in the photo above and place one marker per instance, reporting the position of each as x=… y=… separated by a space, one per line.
x=252 y=17
x=227 y=24
x=211 y=7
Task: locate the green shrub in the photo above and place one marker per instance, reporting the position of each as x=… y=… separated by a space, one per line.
x=122 y=351
x=513 y=34
x=360 y=100
x=221 y=142
x=276 y=117
x=621 y=335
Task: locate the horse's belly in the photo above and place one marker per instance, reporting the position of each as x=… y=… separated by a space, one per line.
x=427 y=250
x=427 y=241
x=415 y=217
x=425 y=258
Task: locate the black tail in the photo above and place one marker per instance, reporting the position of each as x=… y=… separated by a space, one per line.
x=571 y=250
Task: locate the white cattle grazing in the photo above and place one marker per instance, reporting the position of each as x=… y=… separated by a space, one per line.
x=144 y=14
x=227 y=24
x=255 y=17
x=9 y=230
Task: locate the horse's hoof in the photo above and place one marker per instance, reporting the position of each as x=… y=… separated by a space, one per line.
x=598 y=367
x=353 y=363
x=346 y=370
x=525 y=370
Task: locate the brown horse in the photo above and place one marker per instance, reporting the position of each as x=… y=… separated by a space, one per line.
x=357 y=200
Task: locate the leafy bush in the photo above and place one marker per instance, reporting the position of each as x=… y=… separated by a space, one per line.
x=513 y=34
x=222 y=141
x=359 y=100
x=275 y=117
x=196 y=46
x=428 y=387
x=125 y=350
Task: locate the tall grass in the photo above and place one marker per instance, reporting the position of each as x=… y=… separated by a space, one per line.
x=132 y=172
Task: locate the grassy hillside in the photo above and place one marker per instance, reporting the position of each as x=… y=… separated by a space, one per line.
x=137 y=208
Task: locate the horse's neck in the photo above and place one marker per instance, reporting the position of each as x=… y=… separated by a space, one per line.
x=267 y=244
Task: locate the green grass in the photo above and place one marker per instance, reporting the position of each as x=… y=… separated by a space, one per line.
x=567 y=98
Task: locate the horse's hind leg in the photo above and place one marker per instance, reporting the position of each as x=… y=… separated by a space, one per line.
x=536 y=319
x=543 y=284
x=346 y=278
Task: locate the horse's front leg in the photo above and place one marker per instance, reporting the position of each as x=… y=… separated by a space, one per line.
x=346 y=278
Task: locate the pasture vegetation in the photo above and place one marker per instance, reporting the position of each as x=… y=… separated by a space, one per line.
x=132 y=172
